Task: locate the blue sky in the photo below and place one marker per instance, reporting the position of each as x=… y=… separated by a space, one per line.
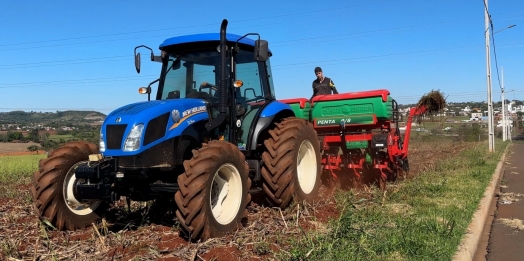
x=62 y=55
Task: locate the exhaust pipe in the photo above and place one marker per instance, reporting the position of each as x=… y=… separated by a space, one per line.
x=222 y=104
x=223 y=72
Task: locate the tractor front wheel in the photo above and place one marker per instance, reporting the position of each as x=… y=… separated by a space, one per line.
x=53 y=188
x=291 y=163
x=213 y=191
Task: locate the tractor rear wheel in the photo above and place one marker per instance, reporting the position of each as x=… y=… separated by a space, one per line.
x=213 y=191
x=291 y=164
x=53 y=185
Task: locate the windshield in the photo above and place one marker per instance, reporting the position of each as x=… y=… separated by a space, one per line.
x=197 y=73
x=186 y=74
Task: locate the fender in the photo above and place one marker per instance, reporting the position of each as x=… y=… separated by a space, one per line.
x=190 y=138
x=269 y=113
x=274 y=107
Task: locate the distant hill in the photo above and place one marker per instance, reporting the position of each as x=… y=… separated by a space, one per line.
x=47 y=118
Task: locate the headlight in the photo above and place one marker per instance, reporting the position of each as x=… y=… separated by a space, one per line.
x=133 y=139
x=102 y=143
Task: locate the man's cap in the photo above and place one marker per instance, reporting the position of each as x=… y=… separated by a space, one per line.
x=318 y=69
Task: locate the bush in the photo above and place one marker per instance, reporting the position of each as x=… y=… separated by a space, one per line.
x=33 y=148
x=468 y=133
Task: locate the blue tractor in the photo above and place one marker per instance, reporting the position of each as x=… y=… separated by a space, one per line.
x=213 y=136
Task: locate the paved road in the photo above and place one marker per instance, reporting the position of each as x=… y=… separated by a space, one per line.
x=503 y=236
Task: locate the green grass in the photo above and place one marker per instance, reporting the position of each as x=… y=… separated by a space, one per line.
x=18 y=169
x=58 y=137
x=454 y=125
x=15 y=171
x=421 y=219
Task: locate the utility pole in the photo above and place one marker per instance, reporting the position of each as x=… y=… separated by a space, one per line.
x=504 y=129
x=491 y=137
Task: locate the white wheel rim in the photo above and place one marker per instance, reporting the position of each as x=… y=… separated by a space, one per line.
x=225 y=194
x=307 y=166
x=77 y=207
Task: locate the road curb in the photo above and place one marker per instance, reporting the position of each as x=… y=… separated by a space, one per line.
x=468 y=246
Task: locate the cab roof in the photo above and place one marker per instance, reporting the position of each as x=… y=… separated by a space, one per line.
x=205 y=37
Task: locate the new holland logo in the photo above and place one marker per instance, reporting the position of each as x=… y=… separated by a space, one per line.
x=193 y=110
x=175 y=115
x=118 y=119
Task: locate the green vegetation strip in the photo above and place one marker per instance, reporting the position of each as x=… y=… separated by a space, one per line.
x=18 y=169
x=64 y=137
x=421 y=219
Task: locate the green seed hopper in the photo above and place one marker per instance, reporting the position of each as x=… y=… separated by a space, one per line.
x=354 y=108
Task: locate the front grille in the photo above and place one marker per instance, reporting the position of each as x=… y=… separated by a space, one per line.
x=114 y=135
x=156 y=128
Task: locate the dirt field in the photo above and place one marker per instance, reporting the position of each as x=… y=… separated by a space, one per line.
x=151 y=233
x=8 y=148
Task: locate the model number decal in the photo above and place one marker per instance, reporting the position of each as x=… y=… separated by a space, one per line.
x=331 y=121
x=193 y=110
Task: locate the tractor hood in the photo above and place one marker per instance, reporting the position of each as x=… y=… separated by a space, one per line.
x=133 y=128
x=136 y=110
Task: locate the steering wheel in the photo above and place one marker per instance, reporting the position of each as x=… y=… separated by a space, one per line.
x=206 y=85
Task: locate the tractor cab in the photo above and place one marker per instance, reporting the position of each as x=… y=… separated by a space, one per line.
x=192 y=69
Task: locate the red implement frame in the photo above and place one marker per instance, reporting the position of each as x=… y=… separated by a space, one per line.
x=385 y=164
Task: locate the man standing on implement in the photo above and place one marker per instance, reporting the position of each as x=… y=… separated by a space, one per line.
x=322 y=85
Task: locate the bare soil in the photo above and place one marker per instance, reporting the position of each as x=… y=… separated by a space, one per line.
x=10 y=148
x=150 y=232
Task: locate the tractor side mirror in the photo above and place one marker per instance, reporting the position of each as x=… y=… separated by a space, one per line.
x=137 y=57
x=137 y=62
x=261 y=50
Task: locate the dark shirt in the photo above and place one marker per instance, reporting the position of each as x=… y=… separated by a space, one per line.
x=325 y=87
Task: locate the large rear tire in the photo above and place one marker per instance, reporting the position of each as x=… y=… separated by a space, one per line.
x=291 y=164
x=52 y=188
x=214 y=191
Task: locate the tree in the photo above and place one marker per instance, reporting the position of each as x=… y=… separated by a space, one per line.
x=33 y=135
x=14 y=136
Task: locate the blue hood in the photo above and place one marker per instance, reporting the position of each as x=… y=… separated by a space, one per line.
x=155 y=107
x=122 y=120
